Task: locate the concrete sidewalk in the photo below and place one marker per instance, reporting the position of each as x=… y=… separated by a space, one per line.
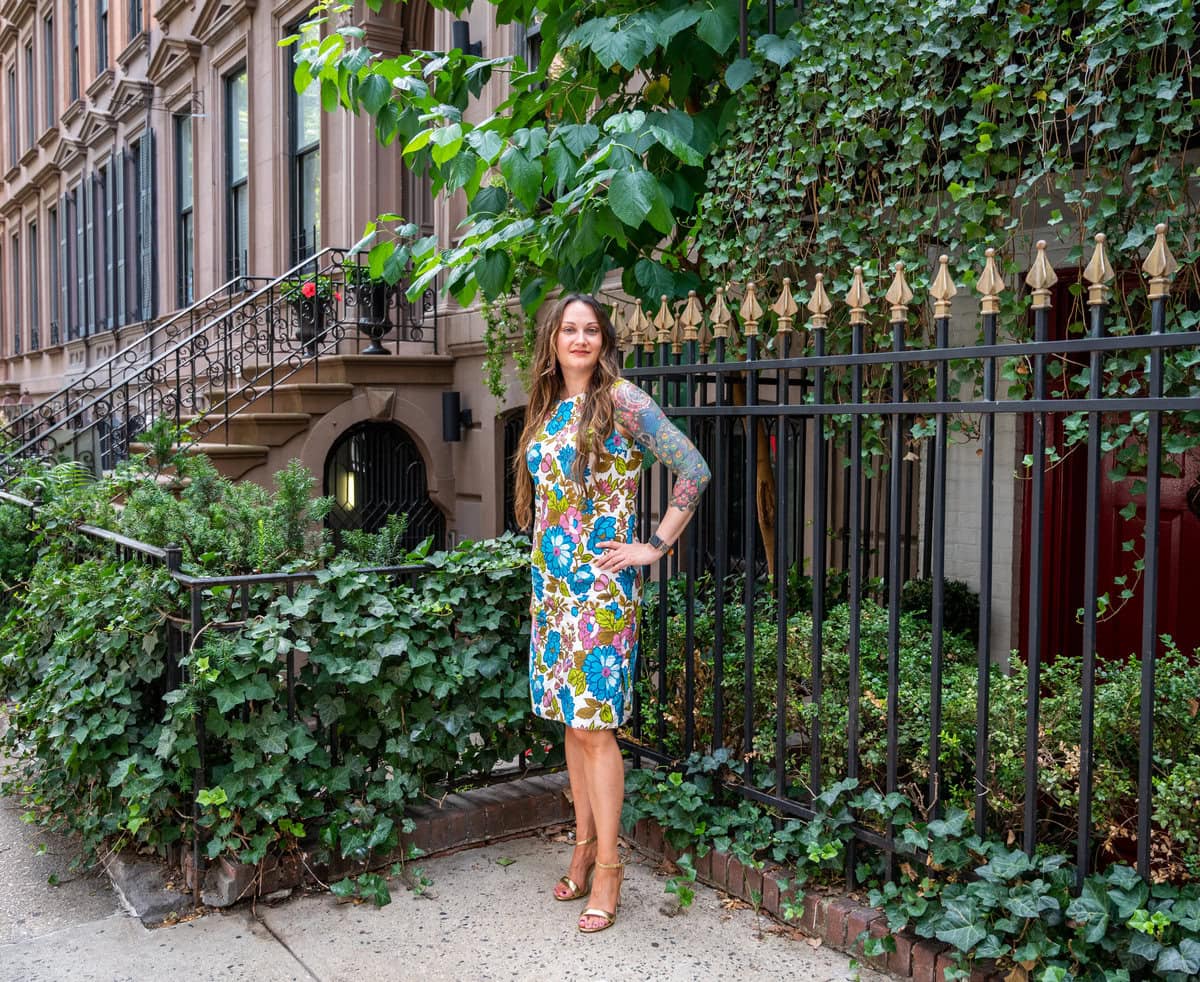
x=483 y=918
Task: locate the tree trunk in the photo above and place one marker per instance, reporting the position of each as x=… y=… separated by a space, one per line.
x=764 y=483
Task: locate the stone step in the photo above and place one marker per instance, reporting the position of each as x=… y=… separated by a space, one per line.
x=313 y=398
x=232 y=460
x=437 y=370
x=271 y=429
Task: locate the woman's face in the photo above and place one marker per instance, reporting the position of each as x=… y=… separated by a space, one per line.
x=580 y=339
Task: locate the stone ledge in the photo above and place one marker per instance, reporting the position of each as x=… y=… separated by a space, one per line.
x=838 y=921
x=457 y=821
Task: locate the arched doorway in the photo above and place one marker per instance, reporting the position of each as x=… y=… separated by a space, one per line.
x=375 y=470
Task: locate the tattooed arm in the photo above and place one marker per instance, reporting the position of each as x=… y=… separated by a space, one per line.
x=640 y=416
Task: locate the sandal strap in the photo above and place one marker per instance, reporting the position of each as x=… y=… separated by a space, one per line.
x=569 y=884
x=616 y=865
x=609 y=916
x=584 y=842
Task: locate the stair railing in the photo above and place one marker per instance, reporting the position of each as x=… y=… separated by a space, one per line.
x=296 y=320
x=78 y=392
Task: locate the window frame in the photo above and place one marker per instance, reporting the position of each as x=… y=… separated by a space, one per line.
x=14 y=127
x=14 y=245
x=101 y=36
x=235 y=187
x=136 y=18
x=298 y=157
x=30 y=96
x=48 y=56
x=35 y=311
x=52 y=220
x=185 y=240
x=73 y=20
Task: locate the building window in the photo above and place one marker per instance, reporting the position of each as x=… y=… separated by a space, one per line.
x=185 y=247
x=74 y=28
x=14 y=132
x=237 y=168
x=30 y=97
x=101 y=36
x=304 y=150
x=16 y=293
x=35 y=307
x=48 y=64
x=135 y=18
x=137 y=246
x=102 y=248
x=55 y=273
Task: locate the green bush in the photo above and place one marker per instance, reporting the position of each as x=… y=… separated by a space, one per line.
x=960 y=605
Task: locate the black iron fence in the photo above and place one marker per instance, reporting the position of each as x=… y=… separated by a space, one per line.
x=841 y=470
x=224 y=356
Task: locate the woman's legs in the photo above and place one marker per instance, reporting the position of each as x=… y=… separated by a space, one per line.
x=604 y=773
x=585 y=825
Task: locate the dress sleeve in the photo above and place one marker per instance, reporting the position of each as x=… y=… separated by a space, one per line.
x=641 y=416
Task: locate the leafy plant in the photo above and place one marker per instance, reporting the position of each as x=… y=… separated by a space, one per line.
x=309 y=288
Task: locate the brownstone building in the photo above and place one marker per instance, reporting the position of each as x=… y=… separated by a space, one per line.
x=155 y=153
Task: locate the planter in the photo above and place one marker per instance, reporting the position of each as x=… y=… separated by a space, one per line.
x=371 y=300
x=310 y=322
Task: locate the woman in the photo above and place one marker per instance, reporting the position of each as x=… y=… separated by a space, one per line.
x=577 y=483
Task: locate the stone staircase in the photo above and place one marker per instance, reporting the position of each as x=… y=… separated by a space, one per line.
x=253 y=428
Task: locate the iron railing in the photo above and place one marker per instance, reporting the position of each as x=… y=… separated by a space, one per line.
x=31 y=424
x=243 y=354
x=825 y=471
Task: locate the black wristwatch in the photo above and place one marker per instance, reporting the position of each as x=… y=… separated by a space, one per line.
x=658 y=543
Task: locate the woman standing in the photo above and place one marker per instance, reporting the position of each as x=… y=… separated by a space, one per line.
x=577 y=483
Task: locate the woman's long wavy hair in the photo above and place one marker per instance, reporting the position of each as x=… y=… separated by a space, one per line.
x=596 y=419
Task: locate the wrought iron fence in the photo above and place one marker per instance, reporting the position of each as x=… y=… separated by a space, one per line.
x=218 y=360
x=831 y=459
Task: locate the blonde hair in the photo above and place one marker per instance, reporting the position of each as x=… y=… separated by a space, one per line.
x=596 y=417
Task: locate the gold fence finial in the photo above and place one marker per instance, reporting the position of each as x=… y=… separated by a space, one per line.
x=720 y=314
x=751 y=311
x=1098 y=272
x=1040 y=278
x=1160 y=265
x=691 y=318
x=943 y=289
x=635 y=325
x=990 y=285
x=664 y=321
x=899 y=295
x=858 y=298
x=819 y=305
x=645 y=334
x=620 y=326
x=785 y=307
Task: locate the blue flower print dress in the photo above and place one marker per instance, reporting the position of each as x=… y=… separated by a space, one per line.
x=584 y=642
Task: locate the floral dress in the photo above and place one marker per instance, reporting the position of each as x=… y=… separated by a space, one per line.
x=584 y=642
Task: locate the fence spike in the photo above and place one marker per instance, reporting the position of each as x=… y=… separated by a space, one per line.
x=1041 y=277
x=692 y=317
x=858 y=298
x=721 y=317
x=819 y=305
x=1160 y=265
x=785 y=307
x=943 y=289
x=990 y=285
x=620 y=326
x=635 y=325
x=664 y=321
x=1098 y=272
x=899 y=295
x=648 y=338
x=751 y=311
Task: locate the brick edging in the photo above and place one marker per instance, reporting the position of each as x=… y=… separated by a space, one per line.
x=456 y=821
x=837 y=920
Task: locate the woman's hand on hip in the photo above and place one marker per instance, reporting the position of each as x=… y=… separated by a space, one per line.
x=618 y=555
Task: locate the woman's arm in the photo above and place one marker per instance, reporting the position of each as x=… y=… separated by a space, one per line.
x=642 y=418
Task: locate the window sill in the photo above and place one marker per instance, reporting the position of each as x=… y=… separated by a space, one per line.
x=73 y=111
x=12 y=173
x=48 y=136
x=29 y=156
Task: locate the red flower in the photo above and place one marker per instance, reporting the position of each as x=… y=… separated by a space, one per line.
x=337 y=295
x=309 y=289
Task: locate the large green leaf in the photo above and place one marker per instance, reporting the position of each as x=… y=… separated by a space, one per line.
x=491 y=273
x=524 y=176
x=632 y=194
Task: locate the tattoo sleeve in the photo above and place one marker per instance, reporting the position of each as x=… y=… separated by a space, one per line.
x=642 y=417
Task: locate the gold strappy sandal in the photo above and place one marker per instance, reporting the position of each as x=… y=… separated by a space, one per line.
x=576 y=891
x=609 y=917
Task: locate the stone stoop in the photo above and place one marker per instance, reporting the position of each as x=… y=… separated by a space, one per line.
x=837 y=920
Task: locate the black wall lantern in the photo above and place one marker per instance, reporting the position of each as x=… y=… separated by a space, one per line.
x=454 y=418
x=460 y=37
